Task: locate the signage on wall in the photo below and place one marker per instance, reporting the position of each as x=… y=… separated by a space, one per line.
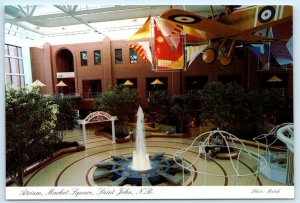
x=65 y=75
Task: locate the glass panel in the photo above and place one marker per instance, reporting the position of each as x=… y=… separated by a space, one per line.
x=14 y=65
x=21 y=66
x=19 y=51
x=7 y=65
x=6 y=49
x=132 y=55
x=97 y=57
x=8 y=80
x=118 y=56
x=13 y=51
x=22 y=80
x=84 y=58
x=16 y=80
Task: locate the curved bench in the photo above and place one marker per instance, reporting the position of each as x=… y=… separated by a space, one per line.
x=226 y=156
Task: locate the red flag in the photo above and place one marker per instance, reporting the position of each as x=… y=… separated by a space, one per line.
x=171 y=30
x=162 y=49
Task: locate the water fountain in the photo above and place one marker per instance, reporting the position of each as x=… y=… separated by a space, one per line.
x=140 y=158
x=140 y=168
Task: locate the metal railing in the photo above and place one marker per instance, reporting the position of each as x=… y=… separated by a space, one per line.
x=89 y=95
x=82 y=95
x=283 y=91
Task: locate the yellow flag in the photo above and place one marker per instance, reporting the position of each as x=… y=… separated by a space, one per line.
x=170 y=65
x=143 y=32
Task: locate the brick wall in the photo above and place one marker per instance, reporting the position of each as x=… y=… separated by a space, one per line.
x=44 y=65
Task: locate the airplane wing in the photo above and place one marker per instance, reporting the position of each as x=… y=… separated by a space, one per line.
x=254 y=18
x=253 y=38
x=213 y=28
x=238 y=25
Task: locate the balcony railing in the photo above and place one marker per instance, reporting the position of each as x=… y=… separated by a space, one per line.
x=283 y=91
x=89 y=95
x=150 y=93
x=82 y=95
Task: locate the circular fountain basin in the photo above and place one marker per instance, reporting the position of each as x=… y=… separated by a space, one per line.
x=134 y=177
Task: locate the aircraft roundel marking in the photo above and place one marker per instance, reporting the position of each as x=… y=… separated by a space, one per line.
x=185 y=19
x=266 y=14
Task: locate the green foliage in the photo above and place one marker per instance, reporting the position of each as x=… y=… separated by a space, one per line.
x=277 y=108
x=159 y=102
x=182 y=108
x=30 y=123
x=176 y=110
x=231 y=108
x=119 y=101
x=66 y=117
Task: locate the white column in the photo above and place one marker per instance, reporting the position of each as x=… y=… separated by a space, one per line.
x=84 y=135
x=113 y=131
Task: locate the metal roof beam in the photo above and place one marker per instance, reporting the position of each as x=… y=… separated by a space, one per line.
x=29 y=12
x=64 y=9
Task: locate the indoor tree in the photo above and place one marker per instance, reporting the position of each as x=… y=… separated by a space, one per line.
x=119 y=101
x=66 y=117
x=30 y=123
x=277 y=108
x=182 y=108
x=159 y=105
x=231 y=108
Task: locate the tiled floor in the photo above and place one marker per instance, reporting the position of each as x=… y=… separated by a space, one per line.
x=77 y=169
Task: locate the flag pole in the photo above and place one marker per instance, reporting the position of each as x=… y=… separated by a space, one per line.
x=184 y=52
x=154 y=66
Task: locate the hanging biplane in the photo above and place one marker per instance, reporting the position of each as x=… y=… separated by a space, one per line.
x=238 y=25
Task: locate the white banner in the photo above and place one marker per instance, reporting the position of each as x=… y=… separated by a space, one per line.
x=157 y=192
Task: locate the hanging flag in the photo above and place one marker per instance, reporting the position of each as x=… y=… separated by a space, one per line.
x=261 y=48
x=162 y=48
x=143 y=32
x=281 y=53
x=265 y=59
x=256 y=50
x=289 y=45
x=193 y=51
x=283 y=31
x=175 y=30
x=143 y=49
x=165 y=56
x=170 y=65
x=171 y=30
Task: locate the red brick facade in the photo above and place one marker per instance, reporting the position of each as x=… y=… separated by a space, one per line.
x=46 y=63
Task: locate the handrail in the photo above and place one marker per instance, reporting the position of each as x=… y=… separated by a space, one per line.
x=288 y=141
